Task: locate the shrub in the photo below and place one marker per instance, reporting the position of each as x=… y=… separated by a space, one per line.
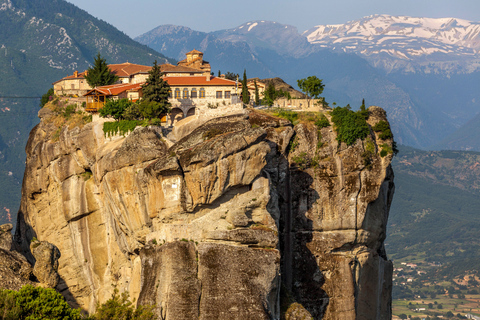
x=35 y=303
x=46 y=97
x=119 y=307
x=386 y=149
x=152 y=109
x=383 y=127
x=322 y=122
x=350 y=125
x=115 y=108
x=291 y=116
x=121 y=127
x=132 y=112
x=69 y=110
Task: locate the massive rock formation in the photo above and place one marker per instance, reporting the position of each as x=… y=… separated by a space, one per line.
x=245 y=217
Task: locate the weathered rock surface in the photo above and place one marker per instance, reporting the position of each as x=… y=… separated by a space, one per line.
x=15 y=271
x=209 y=226
x=46 y=262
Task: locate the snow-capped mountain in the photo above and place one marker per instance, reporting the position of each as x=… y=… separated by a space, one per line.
x=412 y=44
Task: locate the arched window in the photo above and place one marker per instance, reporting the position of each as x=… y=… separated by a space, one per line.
x=185 y=93
x=193 y=94
x=202 y=93
x=177 y=93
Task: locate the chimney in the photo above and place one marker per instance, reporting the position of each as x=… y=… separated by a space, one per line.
x=75 y=73
x=208 y=77
x=86 y=72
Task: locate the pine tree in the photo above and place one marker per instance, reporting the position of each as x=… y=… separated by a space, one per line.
x=257 y=96
x=156 y=90
x=245 y=95
x=100 y=74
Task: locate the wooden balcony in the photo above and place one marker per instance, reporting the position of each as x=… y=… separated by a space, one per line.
x=94 y=106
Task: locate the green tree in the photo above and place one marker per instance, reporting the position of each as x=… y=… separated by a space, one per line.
x=403 y=316
x=350 y=125
x=270 y=94
x=231 y=76
x=46 y=97
x=311 y=86
x=35 y=303
x=156 y=89
x=100 y=74
x=151 y=109
x=257 y=96
x=119 y=307
x=245 y=94
x=115 y=108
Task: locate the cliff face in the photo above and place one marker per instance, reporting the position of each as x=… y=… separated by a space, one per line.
x=246 y=217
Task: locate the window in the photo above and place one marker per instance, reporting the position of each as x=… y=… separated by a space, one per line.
x=193 y=94
x=177 y=93
x=202 y=93
x=185 y=93
x=73 y=86
x=227 y=94
x=169 y=93
x=219 y=95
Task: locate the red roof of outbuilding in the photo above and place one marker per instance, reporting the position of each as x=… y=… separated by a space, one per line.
x=116 y=89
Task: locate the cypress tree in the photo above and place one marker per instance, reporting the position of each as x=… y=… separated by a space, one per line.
x=245 y=95
x=100 y=74
x=257 y=96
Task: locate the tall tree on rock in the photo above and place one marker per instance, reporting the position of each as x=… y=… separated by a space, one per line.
x=312 y=87
x=156 y=91
x=100 y=74
x=257 y=96
x=245 y=94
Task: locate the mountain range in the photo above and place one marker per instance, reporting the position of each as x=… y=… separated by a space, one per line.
x=406 y=44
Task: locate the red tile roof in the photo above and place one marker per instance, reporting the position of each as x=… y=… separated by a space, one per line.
x=122 y=70
x=127 y=69
x=198 y=81
x=116 y=89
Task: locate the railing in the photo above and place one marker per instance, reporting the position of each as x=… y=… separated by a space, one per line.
x=94 y=106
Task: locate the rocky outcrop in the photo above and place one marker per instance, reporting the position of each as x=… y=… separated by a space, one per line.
x=46 y=262
x=209 y=225
x=15 y=271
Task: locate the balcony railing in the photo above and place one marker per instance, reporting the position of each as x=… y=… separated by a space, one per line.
x=94 y=106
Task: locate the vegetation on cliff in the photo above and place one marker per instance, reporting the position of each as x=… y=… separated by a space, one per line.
x=37 y=303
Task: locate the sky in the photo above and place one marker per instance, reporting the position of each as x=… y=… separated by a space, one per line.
x=137 y=17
